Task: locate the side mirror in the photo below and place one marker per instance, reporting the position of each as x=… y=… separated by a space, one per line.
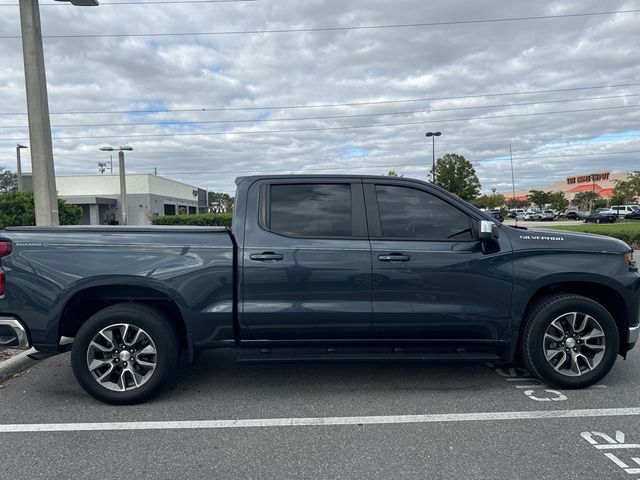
x=488 y=231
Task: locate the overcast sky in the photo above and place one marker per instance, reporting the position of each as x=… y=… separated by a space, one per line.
x=405 y=80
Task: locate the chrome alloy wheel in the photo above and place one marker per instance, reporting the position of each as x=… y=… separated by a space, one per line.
x=574 y=344
x=121 y=357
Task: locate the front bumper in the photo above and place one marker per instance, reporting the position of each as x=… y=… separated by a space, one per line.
x=13 y=334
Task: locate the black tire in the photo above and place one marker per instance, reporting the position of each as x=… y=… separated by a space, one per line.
x=158 y=332
x=540 y=319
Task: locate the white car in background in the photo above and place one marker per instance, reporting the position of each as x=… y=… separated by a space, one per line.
x=537 y=215
x=606 y=211
x=548 y=215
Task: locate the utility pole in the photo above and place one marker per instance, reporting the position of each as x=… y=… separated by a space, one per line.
x=44 y=179
x=123 y=181
x=19 y=165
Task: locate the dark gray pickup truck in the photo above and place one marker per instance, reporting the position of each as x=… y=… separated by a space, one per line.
x=315 y=268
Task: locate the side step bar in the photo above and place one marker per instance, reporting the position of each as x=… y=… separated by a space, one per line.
x=332 y=355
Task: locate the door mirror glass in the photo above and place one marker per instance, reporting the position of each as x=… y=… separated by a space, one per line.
x=488 y=230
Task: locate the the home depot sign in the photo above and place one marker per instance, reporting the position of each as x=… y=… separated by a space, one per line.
x=594 y=177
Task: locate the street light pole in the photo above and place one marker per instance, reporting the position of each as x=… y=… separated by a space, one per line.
x=19 y=165
x=123 y=182
x=44 y=180
x=433 y=136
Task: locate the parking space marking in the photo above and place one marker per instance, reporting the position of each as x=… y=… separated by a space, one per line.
x=535 y=389
x=317 y=421
x=610 y=444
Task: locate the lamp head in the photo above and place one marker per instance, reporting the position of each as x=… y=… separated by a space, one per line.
x=81 y=3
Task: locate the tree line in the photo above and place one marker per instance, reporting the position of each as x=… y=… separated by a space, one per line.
x=457 y=175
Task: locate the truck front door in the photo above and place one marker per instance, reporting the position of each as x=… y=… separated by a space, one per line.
x=306 y=261
x=431 y=279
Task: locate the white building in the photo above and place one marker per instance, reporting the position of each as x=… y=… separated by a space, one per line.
x=148 y=196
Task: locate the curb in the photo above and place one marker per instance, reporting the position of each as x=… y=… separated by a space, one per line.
x=16 y=364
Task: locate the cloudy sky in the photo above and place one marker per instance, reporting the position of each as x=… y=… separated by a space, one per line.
x=205 y=91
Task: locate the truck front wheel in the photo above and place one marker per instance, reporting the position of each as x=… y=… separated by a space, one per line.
x=125 y=353
x=569 y=341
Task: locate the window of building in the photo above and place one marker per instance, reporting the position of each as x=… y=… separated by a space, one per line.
x=310 y=210
x=415 y=214
x=192 y=210
x=169 y=209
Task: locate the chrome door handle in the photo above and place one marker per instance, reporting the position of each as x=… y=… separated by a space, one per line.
x=394 y=257
x=266 y=256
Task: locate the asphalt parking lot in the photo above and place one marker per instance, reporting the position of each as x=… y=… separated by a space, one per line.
x=354 y=420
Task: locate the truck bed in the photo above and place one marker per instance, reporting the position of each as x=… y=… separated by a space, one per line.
x=52 y=268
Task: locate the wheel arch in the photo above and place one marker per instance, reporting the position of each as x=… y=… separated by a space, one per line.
x=90 y=297
x=601 y=293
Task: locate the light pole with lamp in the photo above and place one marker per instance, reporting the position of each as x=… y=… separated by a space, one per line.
x=123 y=182
x=44 y=180
x=433 y=136
x=19 y=165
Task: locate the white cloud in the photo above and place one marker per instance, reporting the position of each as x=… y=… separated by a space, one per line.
x=312 y=68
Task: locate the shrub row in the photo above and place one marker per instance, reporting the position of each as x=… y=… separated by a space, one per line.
x=17 y=209
x=202 y=219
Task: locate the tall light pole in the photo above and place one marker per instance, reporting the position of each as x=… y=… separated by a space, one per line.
x=19 y=165
x=44 y=180
x=433 y=136
x=123 y=182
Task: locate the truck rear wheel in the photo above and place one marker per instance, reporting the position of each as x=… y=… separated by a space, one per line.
x=569 y=341
x=125 y=353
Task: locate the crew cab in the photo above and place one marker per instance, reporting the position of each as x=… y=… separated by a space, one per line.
x=319 y=268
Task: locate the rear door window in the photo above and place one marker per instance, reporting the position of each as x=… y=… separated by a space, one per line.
x=310 y=210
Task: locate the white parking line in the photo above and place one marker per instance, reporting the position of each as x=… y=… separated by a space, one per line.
x=317 y=421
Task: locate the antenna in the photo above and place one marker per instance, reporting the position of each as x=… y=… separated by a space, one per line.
x=513 y=182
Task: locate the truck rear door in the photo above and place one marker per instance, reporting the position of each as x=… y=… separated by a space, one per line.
x=306 y=261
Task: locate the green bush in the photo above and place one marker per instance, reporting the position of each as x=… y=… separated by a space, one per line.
x=17 y=209
x=628 y=232
x=203 y=220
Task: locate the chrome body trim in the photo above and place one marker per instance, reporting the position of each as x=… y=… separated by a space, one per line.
x=19 y=332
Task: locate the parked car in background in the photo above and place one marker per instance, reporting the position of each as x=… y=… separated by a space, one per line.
x=548 y=215
x=624 y=210
x=606 y=210
x=497 y=214
x=574 y=214
x=635 y=215
x=517 y=213
x=533 y=215
x=601 y=215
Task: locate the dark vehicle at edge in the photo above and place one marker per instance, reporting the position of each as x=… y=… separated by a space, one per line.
x=497 y=215
x=600 y=217
x=319 y=268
